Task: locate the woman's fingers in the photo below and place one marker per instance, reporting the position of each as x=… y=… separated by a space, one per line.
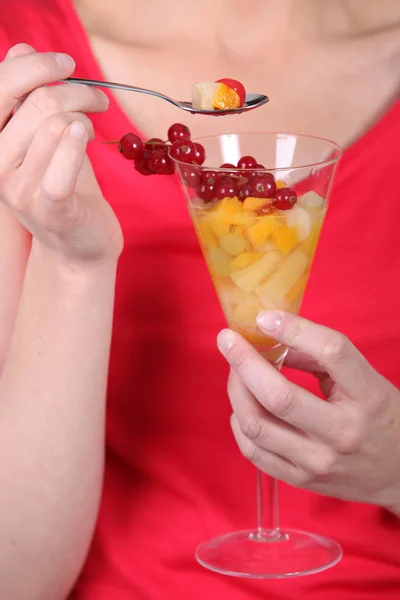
x=41 y=104
x=40 y=152
x=330 y=349
x=268 y=462
x=24 y=70
x=267 y=432
x=277 y=395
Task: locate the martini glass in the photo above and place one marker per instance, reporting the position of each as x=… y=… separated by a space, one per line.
x=259 y=258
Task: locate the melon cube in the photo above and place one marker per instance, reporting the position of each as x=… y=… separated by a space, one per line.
x=311 y=200
x=203 y=95
x=299 y=218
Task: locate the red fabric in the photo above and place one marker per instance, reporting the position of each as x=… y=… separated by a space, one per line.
x=174 y=476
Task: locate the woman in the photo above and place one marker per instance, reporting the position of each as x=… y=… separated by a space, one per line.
x=172 y=474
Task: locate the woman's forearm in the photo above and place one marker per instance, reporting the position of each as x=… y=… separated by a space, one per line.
x=52 y=409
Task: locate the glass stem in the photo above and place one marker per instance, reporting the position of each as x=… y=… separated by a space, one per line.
x=267 y=507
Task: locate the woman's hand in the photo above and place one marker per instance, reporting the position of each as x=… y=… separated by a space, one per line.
x=46 y=179
x=347 y=447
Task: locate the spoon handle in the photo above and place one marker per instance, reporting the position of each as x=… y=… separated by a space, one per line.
x=117 y=86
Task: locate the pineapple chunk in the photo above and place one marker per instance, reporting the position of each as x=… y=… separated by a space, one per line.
x=243 y=260
x=251 y=203
x=284 y=238
x=248 y=278
x=257 y=234
x=233 y=244
x=219 y=261
x=206 y=234
x=299 y=218
x=239 y=229
x=283 y=279
x=280 y=184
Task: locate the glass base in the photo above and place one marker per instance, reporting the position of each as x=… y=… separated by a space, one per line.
x=269 y=554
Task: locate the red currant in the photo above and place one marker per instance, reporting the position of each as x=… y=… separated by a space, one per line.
x=231 y=171
x=191 y=177
x=227 y=188
x=206 y=192
x=131 y=146
x=237 y=86
x=209 y=177
x=159 y=162
x=247 y=162
x=142 y=164
x=155 y=144
x=264 y=186
x=183 y=150
x=245 y=191
x=200 y=154
x=177 y=131
x=285 y=198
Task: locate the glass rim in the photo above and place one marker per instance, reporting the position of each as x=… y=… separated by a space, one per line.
x=321 y=163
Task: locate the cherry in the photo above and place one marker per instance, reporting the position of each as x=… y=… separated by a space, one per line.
x=142 y=164
x=247 y=162
x=264 y=186
x=246 y=190
x=155 y=144
x=178 y=131
x=206 y=192
x=237 y=86
x=191 y=177
x=285 y=198
x=131 y=146
x=227 y=188
x=209 y=177
x=183 y=150
x=200 y=154
x=160 y=163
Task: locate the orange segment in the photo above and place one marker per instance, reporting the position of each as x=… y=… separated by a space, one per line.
x=226 y=98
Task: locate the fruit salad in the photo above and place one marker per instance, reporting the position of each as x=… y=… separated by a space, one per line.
x=224 y=94
x=258 y=234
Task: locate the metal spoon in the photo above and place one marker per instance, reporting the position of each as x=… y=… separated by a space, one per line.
x=252 y=100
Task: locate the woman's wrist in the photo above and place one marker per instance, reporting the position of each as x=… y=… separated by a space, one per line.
x=72 y=275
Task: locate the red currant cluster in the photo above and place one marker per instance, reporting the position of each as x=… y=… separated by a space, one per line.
x=154 y=156
x=247 y=178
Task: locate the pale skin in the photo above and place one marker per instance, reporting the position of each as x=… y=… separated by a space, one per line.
x=60 y=243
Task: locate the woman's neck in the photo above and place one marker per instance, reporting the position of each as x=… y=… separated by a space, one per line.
x=233 y=23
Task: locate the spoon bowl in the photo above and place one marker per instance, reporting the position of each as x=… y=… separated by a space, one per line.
x=252 y=100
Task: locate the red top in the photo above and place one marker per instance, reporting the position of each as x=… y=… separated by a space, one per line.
x=174 y=475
